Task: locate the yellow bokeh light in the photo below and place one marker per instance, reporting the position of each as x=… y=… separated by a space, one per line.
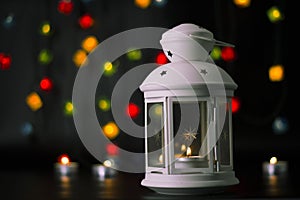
x=242 y=3
x=109 y=69
x=104 y=104
x=158 y=110
x=108 y=66
x=46 y=28
x=34 y=101
x=274 y=14
x=89 y=43
x=111 y=130
x=80 y=58
x=276 y=73
x=69 y=108
x=142 y=3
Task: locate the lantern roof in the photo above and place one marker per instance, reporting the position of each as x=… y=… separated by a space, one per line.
x=187 y=75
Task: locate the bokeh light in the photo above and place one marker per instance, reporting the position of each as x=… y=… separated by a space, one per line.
x=109 y=68
x=104 y=104
x=5 y=61
x=111 y=130
x=134 y=54
x=68 y=108
x=80 y=58
x=9 y=21
x=161 y=58
x=45 y=57
x=112 y=149
x=215 y=54
x=89 y=43
x=46 y=84
x=65 y=6
x=160 y=3
x=27 y=129
x=86 y=21
x=132 y=110
x=276 y=73
x=242 y=3
x=34 y=101
x=46 y=29
x=235 y=104
x=228 y=54
x=274 y=14
x=142 y=3
x=280 y=125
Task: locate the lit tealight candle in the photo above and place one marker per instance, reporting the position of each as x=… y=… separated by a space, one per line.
x=102 y=171
x=275 y=167
x=64 y=166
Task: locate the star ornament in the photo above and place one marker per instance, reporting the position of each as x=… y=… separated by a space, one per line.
x=170 y=53
x=203 y=71
x=190 y=135
x=163 y=73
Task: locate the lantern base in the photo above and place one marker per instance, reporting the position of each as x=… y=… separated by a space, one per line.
x=190 y=184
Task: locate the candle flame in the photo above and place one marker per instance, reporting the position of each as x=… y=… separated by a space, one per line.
x=183 y=148
x=161 y=158
x=64 y=159
x=189 y=151
x=273 y=160
x=107 y=163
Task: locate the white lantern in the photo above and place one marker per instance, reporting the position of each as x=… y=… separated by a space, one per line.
x=188 y=128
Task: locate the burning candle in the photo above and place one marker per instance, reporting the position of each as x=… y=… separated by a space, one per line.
x=188 y=152
x=102 y=171
x=64 y=166
x=275 y=167
x=190 y=161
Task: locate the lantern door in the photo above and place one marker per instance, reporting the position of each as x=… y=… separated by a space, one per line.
x=155 y=135
x=189 y=124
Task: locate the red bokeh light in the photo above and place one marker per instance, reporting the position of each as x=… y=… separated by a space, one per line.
x=65 y=6
x=132 y=110
x=86 y=21
x=5 y=61
x=235 y=104
x=161 y=58
x=112 y=149
x=228 y=54
x=46 y=84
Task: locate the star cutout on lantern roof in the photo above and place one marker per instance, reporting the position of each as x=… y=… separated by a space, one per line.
x=163 y=73
x=203 y=71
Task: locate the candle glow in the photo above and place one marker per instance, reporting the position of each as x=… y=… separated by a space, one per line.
x=189 y=151
x=273 y=160
x=64 y=159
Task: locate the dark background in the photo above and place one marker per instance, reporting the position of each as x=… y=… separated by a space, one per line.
x=258 y=42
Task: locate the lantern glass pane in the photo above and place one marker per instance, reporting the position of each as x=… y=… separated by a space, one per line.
x=224 y=139
x=189 y=129
x=155 y=135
